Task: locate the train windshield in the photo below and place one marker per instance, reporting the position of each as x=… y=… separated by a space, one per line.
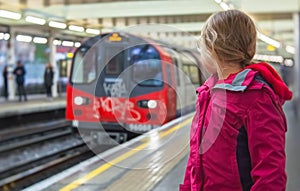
x=84 y=66
x=146 y=66
x=116 y=57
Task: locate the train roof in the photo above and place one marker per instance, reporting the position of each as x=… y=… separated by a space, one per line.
x=92 y=40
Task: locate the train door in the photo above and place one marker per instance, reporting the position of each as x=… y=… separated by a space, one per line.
x=113 y=86
x=180 y=83
x=179 y=79
x=114 y=82
x=190 y=80
x=112 y=63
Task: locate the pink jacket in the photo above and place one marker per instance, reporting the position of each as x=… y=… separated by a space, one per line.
x=243 y=133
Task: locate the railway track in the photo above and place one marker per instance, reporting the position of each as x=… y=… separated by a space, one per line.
x=18 y=137
x=34 y=152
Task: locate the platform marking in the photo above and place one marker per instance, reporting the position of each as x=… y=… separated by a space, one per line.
x=171 y=130
x=96 y=172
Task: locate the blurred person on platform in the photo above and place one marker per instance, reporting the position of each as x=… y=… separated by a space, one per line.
x=5 y=90
x=19 y=73
x=48 y=80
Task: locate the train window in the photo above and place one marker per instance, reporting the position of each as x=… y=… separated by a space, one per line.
x=194 y=74
x=116 y=63
x=84 y=67
x=190 y=67
x=148 y=72
x=146 y=69
x=174 y=56
x=186 y=70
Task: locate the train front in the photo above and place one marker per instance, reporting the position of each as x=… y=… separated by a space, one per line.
x=120 y=83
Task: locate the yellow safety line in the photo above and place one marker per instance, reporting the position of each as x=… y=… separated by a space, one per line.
x=171 y=130
x=107 y=165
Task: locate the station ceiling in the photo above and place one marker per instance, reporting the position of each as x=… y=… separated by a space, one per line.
x=273 y=18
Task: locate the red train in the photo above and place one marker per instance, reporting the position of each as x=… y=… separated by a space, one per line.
x=128 y=84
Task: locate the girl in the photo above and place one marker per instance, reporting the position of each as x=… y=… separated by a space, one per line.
x=238 y=132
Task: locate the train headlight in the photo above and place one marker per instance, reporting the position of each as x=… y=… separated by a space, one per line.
x=78 y=100
x=147 y=104
x=152 y=104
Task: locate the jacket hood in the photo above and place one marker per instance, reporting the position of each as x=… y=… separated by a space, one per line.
x=241 y=81
x=273 y=78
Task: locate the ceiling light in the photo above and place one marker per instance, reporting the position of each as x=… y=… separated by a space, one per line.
x=268 y=58
x=231 y=6
x=288 y=62
x=1 y=36
x=224 y=6
x=57 y=25
x=4 y=36
x=77 y=44
x=68 y=43
x=268 y=40
x=92 y=31
x=35 y=20
x=76 y=28
x=40 y=40
x=290 y=49
x=57 y=42
x=10 y=14
x=24 y=38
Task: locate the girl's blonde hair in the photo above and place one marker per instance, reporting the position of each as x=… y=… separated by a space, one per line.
x=230 y=36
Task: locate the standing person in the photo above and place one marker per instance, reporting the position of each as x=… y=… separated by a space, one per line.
x=19 y=73
x=5 y=87
x=238 y=132
x=48 y=80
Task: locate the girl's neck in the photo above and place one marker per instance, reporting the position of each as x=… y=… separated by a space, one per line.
x=225 y=69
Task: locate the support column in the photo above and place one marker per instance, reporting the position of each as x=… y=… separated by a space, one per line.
x=296 y=81
x=11 y=64
x=52 y=61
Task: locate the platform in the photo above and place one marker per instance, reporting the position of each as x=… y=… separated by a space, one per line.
x=171 y=181
x=35 y=104
x=154 y=161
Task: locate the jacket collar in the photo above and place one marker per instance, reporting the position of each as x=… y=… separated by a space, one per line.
x=236 y=82
x=208 y=84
